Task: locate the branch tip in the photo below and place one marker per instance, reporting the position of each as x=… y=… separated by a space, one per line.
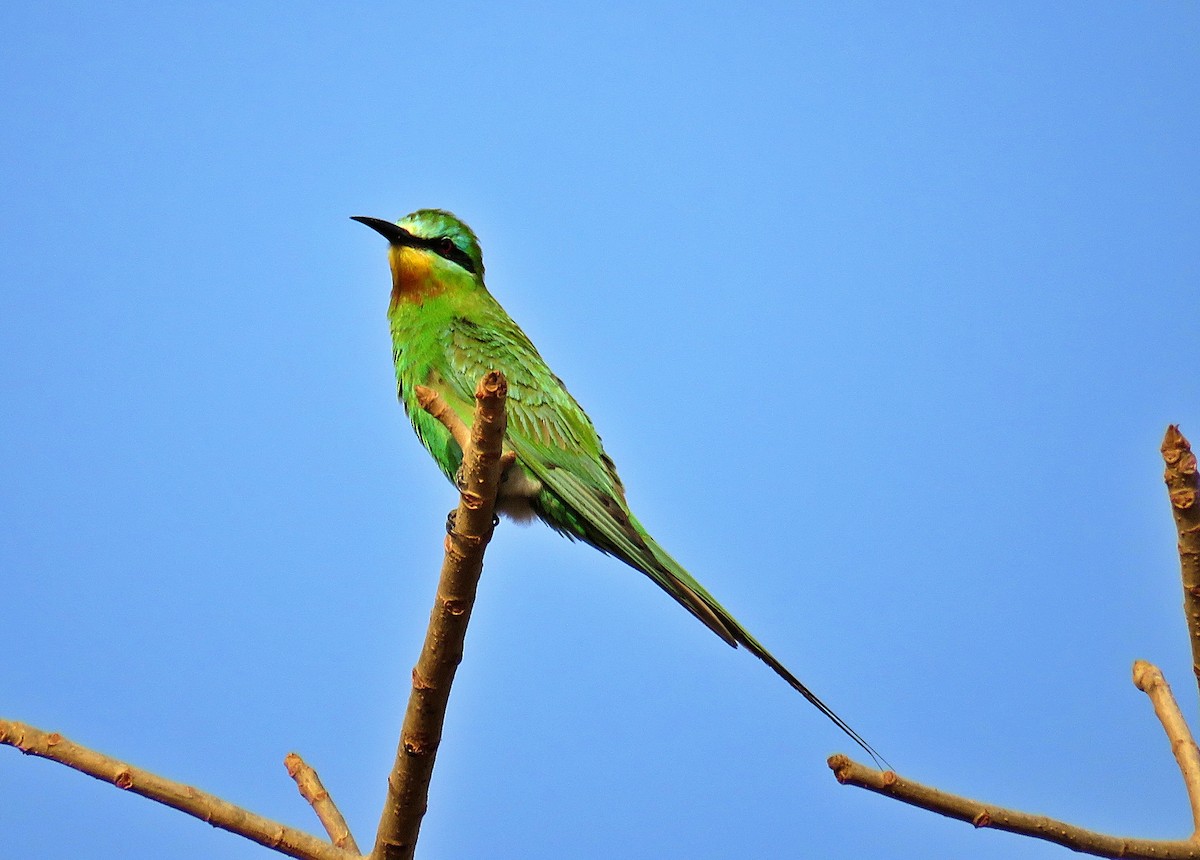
x=1149 y=679
x=1145 y=675
x=978 y=814
x=492 y=385
x=1182 y=490
x=314 y=791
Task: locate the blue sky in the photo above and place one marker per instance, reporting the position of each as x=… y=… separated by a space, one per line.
x=881 y=309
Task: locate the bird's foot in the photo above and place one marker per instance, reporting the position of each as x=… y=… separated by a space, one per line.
x=452 y=521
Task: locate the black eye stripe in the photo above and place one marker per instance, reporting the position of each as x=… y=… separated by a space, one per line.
x=450 y=251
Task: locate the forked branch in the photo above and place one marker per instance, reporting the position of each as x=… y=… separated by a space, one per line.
x=468 y=532
x=207 y=807
x=1181 y=482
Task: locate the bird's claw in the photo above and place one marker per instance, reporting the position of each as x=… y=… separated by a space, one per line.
x=452 y=521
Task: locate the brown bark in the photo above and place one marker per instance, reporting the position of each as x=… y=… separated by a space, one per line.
x=470 y=531
x=1150 y=680
x=313 y=790
x=982 y=814
x=207 y=807
x=1181 y=482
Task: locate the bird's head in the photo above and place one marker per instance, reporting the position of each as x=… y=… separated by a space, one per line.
x=429 y=250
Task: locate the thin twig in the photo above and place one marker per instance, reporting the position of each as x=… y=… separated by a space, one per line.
x=312 y=790
x=438 y=408
x=471 y=529
x=1182 y=488
x=1148 y=679
x=997 y=817
x=208 y=808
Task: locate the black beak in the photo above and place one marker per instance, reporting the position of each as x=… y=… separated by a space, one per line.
x=395 y=235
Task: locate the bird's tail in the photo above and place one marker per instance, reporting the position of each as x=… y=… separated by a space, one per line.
x=754 y=647
x=677 y=582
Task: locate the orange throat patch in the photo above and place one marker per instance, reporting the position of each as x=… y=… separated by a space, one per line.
x=413 y=279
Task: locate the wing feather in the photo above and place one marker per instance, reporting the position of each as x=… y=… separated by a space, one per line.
x=556 y=441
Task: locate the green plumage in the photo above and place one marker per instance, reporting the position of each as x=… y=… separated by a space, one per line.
x=447 y=332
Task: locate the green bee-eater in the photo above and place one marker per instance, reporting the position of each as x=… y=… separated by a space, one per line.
x=447 y=332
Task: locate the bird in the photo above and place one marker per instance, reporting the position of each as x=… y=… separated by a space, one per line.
x=448 y=331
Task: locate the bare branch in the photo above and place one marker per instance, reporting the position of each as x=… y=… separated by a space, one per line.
x=1148 y=679
x=468 y=533
x=312 y=790
x=408 y=784
x=185 y=798
x=997 y=817
x=1182 y=488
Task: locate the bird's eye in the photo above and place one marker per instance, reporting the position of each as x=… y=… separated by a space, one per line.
x=446 y=244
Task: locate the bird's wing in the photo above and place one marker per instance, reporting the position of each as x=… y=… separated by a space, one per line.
x=556 y=441
x=542 y=415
